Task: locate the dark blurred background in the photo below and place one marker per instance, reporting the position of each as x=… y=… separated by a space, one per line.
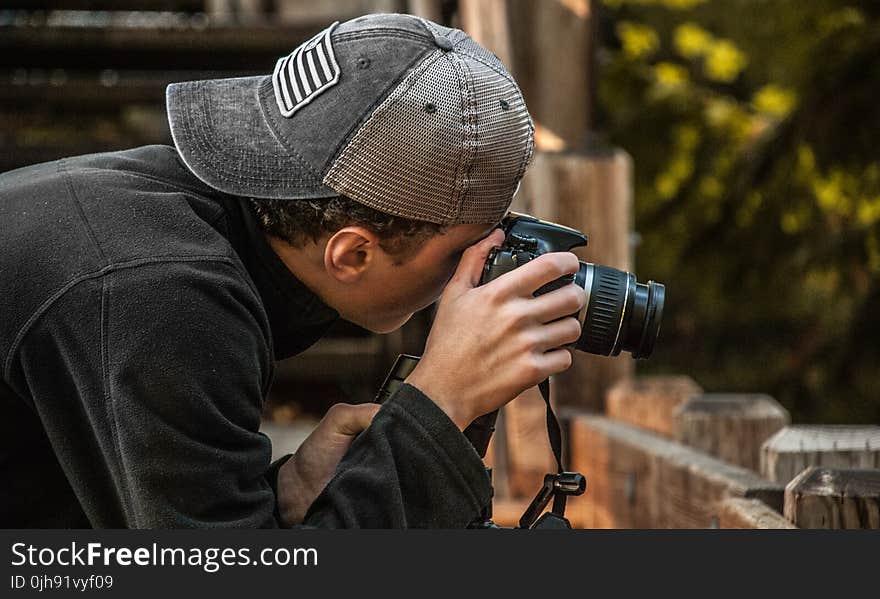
x=752 y=127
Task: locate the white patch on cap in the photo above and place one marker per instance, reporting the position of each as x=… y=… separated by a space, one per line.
x=303 y=74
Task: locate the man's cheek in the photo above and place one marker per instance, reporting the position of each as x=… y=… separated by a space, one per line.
x=446 y=277
x=434 y=289
x=452 y=266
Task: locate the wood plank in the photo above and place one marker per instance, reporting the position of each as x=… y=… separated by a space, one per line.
x=638 y=479
x=204 y=47
x=788 y=452
x=94 y=91
x=729 y=426
x=821 y=497
x=649 y=402
x=737 y=512
x=299 y=11
x=105 y=5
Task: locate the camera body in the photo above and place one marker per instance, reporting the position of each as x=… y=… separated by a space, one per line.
x=526 y=238
x=620 y=313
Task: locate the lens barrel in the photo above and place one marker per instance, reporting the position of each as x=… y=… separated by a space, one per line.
x=621 y=314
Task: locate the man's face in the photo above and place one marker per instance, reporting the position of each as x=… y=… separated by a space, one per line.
x=395 y=287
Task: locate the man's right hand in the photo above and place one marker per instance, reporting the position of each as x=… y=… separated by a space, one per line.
x=490 y=343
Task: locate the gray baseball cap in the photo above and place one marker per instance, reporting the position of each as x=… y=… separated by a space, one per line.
x=393 y=111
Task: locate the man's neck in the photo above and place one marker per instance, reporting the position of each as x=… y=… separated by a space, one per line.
x=306 y=264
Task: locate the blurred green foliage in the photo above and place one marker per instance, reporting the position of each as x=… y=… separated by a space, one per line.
x=755 y=132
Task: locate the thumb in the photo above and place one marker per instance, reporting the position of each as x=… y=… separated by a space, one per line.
x=348 y=419
x=470 y=267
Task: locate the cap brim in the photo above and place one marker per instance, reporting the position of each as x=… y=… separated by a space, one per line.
x=222 y=135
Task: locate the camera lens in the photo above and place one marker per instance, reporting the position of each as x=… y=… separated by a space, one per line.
x=621 y=314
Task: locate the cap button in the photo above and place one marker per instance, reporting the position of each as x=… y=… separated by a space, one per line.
x=443 y=43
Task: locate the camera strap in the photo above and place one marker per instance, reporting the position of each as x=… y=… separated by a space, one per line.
x=556 y=486
x=554 y=431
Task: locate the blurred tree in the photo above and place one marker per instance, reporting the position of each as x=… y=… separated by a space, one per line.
x=753 y=126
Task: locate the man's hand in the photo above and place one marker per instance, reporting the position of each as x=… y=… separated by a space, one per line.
x=490 y=343
x=302 y=478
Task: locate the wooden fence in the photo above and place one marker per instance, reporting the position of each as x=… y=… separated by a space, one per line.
x=666 y=455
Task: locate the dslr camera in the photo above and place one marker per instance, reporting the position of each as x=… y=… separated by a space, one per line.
x=620 y=314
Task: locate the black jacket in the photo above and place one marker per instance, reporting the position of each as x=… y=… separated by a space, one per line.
x=141 y=313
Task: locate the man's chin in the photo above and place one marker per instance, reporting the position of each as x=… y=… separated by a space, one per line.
x=389 y=326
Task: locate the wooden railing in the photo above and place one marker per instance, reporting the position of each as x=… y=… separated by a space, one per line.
x=667 y=455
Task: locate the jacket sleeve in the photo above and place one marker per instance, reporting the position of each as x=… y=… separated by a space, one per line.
x=411 y=468
x=150 y=382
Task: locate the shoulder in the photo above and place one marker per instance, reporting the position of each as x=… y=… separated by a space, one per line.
x=105 y=215
x=183 y=320
x=186 y=290
x=170 y=310
x=141 y=203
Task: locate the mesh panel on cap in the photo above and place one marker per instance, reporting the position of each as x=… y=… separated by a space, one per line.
x=504 y=144
x=464 y=44
x=459 y=163
x=469 y=47
x=407 y=160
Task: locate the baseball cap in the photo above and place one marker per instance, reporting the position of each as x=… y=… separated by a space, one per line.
x=393 y=111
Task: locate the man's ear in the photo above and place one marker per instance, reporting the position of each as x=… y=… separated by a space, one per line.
x=349 y=253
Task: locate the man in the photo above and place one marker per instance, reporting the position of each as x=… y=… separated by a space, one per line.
x=147 y=293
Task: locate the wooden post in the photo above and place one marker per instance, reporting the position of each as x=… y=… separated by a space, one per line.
x=547 y=46
x=427 y=9
x=794 y=448
x=488 y=23
x=592 y=194
x=729 y=426
x=736 y=512
x=834 y=498
x=648 y=402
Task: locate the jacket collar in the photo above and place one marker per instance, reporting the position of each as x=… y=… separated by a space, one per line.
x=297 y=316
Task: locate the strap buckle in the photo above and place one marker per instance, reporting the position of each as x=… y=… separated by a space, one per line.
x=557 y=487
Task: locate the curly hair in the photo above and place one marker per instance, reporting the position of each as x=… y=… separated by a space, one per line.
x=301 y=221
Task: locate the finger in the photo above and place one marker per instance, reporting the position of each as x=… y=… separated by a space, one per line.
x=470 y=267
x=565 y=301
x=559 y=333
x=526 y=279
x=347 y=419
x=555 y=361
